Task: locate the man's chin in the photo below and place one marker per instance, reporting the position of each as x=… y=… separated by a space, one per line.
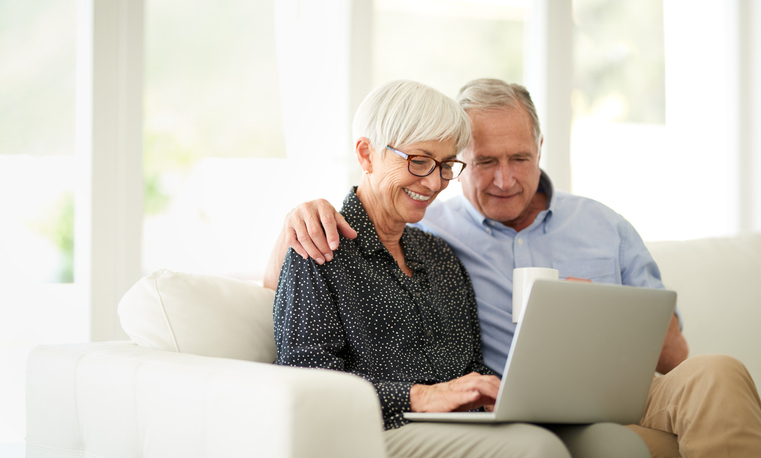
x=496 y=213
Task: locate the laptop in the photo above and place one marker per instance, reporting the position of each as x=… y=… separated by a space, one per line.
x=583 y=353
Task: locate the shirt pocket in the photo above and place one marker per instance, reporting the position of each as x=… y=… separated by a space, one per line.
x=599 y=270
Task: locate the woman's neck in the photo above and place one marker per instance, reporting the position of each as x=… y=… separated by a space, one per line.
x=389 y=231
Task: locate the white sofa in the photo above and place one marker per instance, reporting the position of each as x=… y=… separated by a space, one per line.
x=197 y=381
x=718 y=283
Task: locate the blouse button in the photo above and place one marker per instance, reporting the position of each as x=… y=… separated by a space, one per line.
x=429 y=333
x=417 y=294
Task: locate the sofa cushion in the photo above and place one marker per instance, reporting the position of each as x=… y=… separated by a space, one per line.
x=716 y=280
x=200 y=314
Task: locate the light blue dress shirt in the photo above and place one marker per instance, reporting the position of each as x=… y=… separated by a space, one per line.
x=577 y=236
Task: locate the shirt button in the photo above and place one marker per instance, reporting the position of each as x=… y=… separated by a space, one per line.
x=417 y=294
x=429 y=333
x=520 y=241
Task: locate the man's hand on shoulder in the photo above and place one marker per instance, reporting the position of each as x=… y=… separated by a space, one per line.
x=312 y=229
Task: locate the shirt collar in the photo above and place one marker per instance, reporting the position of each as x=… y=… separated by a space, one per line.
x=545 y=185
x=367 y=238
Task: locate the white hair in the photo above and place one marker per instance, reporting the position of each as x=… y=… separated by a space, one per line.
x=492 y=94
x=402 y=112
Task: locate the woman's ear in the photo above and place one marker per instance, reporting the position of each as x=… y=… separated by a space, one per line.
x=364 y=150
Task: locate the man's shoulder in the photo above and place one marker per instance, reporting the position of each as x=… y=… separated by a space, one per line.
x=444 y=207
x=568 y=205
x=445 y=216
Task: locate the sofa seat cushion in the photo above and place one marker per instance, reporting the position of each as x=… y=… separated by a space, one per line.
x=200 y=314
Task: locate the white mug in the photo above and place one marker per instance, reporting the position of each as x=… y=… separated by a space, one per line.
x=523 y=280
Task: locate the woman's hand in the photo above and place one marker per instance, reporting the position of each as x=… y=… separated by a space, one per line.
x=459 y=395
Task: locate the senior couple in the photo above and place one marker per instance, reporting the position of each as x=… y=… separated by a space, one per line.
x=416 y=300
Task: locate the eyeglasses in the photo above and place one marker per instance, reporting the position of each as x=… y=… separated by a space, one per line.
x=422 y=166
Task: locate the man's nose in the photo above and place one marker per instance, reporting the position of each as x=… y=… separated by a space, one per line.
x=503 y=177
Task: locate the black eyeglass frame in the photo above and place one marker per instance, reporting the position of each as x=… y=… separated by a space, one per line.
x=411 y=157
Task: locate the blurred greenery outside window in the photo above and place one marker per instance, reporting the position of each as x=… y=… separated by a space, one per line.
x=618 y=99
x=37 y=119
x=619 y=61
x=211 y=101
x=446 y=43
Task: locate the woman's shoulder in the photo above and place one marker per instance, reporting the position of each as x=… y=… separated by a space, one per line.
x=429 y=242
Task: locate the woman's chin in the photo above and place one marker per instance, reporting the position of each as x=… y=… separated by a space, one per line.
x=414 y=217
x=414 y=210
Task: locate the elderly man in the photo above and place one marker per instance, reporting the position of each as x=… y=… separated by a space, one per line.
x=510 y=216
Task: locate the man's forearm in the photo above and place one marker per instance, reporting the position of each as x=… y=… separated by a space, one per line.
x=275 y=262
x=675 y=349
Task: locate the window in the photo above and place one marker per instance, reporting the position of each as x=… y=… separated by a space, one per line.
x=37 y=141
x=39 y=301
x=445 y=43
x=213 y=135
x=655 y=108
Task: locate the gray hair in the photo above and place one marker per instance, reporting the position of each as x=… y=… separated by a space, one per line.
x=403 y=112
x=493 y=94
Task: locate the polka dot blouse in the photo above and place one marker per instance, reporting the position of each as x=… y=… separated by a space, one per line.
x=361 y=314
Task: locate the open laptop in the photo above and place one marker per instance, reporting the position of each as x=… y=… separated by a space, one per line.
x=583 y=353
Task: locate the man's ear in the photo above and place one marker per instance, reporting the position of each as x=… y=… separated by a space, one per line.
x=364 y=150
x=539 y=152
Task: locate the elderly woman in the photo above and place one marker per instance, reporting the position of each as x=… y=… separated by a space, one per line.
x=395 y=306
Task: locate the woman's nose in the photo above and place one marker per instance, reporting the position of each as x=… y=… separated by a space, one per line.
x=433 y=181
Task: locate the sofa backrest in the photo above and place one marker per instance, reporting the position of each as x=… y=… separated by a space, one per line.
x=718 y=282
x=200 y=314
x=718 y=285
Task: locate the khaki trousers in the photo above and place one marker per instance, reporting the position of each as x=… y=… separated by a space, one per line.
x=708 y=406
x=513 y=440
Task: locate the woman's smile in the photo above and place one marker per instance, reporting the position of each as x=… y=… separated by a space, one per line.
x=416 y=196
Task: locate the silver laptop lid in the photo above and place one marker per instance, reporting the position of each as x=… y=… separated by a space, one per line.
x=584 y=353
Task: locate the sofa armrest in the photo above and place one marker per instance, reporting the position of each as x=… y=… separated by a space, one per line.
x=117 y=399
